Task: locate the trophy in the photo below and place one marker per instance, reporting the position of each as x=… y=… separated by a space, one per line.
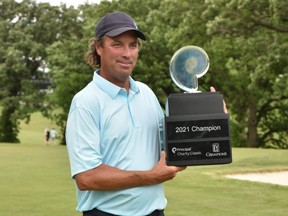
x=196 y=127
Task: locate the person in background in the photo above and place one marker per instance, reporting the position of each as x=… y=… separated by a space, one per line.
x=114 y=132
x=53 y=135
x=47 y=135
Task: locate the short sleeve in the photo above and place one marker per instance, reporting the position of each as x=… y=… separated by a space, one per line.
x=83 y=140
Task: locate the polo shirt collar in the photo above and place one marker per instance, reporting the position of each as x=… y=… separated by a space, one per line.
x=111 y=89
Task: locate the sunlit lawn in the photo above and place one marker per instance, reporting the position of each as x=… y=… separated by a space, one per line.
x=35 y=181
x=35 y=178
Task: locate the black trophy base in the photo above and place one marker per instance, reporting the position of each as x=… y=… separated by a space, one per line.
x=199 y=153
x=197 y=135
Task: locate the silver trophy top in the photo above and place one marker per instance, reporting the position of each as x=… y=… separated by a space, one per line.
x=187 y=65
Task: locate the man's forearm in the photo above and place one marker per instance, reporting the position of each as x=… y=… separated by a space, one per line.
x=105 y=178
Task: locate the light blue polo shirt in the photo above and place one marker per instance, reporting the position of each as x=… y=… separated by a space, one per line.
x=107 y=125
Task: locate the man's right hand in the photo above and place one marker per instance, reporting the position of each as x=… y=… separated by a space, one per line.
x=162 y=172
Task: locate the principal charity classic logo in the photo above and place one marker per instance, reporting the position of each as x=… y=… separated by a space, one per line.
x=216 y=151
x=184 y=151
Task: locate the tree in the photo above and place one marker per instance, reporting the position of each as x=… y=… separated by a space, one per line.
x=66 y=61
x=173 y=25
x=250 y=46
x=246 y=42
x=27 y=29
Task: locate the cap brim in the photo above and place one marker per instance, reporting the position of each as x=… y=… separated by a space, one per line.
x=119 y=31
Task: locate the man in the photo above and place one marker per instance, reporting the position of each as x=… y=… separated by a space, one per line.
x=53 y=135
x=114 y=130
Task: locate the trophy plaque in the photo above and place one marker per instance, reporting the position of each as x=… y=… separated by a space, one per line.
x=196 y=127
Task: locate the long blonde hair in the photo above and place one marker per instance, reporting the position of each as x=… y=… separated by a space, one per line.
x=92 y=57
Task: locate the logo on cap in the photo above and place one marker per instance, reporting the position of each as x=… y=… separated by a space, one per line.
x=135 y=25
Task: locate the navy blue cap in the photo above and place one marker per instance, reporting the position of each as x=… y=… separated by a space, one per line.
x=116 y=23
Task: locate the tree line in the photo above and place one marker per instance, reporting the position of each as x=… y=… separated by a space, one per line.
x=247 y=43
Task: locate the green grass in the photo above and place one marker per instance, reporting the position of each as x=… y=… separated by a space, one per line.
x=35 y=178
x=203 y=190
x=35 y=181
